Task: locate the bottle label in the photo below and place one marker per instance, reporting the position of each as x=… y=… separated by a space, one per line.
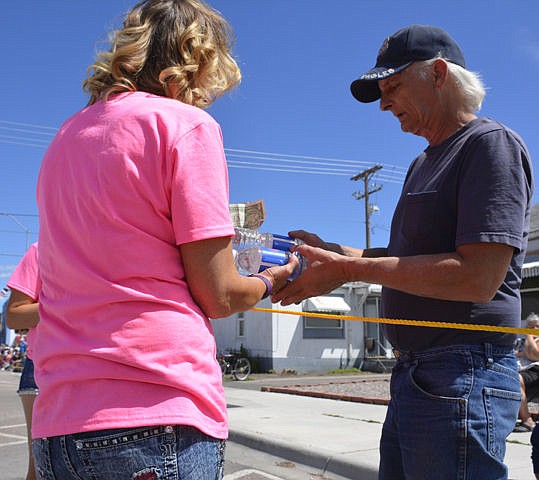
x=281 y=242
x=257 y=259
x=272 y=257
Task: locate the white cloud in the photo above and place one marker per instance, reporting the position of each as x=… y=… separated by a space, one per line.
x=533 y=49
x=529 y=43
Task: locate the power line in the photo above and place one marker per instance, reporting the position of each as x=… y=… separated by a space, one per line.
x=20 y=214
x=309 y=157
x=24 y=144
x=33 y=125
x=15 y=232
x=236 y=158
x=16 y=139
x=12 y=137
x=293 y=163
x=25 y=130
x=250 y=166
x=14 y=219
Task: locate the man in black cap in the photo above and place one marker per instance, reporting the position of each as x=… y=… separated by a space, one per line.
x=457 y=244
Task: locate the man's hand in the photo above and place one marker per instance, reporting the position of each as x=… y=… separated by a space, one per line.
x=308 y=238
x=324 y=274
x=314 y=240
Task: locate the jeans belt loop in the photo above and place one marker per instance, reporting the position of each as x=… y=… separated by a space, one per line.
x=488 y=354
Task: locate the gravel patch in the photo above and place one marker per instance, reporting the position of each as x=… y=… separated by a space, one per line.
x=365 y=391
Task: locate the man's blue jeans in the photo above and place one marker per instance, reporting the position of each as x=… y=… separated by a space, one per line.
x=450 y=413
x=148 y=453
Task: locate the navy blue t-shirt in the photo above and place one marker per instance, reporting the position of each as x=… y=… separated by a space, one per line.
x=475 y=187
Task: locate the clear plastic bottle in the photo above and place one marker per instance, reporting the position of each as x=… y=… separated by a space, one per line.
x=256 y=259
x=246 y=237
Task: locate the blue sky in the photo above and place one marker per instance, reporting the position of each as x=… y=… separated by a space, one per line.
x=293 y=134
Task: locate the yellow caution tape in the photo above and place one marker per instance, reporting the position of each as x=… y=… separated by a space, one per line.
x=414 y=323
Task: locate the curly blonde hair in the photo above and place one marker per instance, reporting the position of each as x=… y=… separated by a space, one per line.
x=174 y=48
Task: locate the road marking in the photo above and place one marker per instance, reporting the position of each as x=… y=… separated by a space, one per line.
x=21 y=439
x=13 y=443
x=243 y=473
x=11 y=435
x=5 y=427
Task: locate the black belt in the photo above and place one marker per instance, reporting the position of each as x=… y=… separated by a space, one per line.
x=487 y=347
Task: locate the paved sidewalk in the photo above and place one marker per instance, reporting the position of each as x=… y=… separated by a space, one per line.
x=332 y=436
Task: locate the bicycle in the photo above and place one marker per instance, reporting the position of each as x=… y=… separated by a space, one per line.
x=239 y=367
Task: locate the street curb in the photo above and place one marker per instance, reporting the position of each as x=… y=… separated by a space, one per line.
x=334 y=463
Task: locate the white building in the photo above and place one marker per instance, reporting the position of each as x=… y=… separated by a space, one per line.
x=281 y=341
x=530 y=272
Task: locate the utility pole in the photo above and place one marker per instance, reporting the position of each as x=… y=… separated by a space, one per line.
x=12 y=217
x=365 y=176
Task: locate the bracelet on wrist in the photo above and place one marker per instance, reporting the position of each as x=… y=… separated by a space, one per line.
x=266 y=282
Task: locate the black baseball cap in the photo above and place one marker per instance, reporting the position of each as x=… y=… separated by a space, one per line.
x=400 y=50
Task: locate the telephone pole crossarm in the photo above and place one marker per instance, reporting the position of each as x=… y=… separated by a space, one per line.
x=367 y=173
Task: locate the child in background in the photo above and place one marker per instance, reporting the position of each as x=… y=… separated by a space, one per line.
x=22 y=314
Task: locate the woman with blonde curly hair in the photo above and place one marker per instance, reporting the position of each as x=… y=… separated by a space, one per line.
x=176 y=49
x=136 y=256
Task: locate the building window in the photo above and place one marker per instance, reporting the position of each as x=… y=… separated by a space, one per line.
x=323 y=327
x=319 y=327
x=241 y=325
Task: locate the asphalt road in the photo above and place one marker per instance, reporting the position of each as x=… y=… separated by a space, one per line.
x=241 y=462
x=13 y=446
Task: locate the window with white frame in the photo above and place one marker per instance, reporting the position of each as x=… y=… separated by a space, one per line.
x=241 y=324
x=324 y=327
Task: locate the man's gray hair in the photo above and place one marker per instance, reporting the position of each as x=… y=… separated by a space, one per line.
x=532 y=318
x=468 y=84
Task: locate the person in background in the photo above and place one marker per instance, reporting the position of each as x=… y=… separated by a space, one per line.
x=528 y=367
x=22 y=314
x=4 y=294
x=135 y=256
x=7 y=358
x=457 y=243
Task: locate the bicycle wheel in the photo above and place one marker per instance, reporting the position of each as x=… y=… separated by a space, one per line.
x=242 y=368
x=222 y=364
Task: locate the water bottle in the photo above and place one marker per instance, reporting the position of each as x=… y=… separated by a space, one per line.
x=246 y=237
x=256 y=259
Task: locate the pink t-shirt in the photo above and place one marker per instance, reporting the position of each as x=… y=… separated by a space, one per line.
x=121 y=342
x=25 y=278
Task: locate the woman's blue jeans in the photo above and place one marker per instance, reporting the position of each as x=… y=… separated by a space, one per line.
x=147 y=453
x=450 y=413
x=27 y=383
